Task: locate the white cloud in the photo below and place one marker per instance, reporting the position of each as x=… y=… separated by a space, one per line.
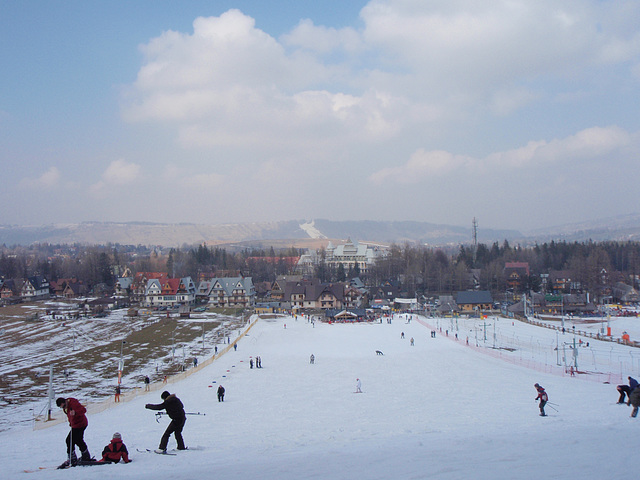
x=230 y=83
x=421 y=165
x=119 y=173
x=417 y=91
x=597 y=143
x=48 y=180
x=323 y=40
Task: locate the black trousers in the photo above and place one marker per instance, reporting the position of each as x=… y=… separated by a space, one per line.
x=76 y=437
x=542 y=404
x=174 y=427
x=623 y=389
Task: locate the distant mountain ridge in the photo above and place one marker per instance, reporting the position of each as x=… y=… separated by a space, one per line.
x=620 y=228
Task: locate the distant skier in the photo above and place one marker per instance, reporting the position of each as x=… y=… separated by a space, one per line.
x=221 y=393
x=115 y=451
x=542 y=396
x=358 y=386
x=175 y=410
x=625 y=390
x=312 y=359
x=78 y=422
x=147 y=381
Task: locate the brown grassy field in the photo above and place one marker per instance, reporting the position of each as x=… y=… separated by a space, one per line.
x=85 y=352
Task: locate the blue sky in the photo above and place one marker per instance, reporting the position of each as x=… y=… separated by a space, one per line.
x=521 y=114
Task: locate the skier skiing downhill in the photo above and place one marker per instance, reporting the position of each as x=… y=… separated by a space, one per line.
x=542 y=396
x=358 y=386
x=78 y=422
x=175 y=410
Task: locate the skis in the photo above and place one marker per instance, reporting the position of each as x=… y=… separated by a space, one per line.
x=88 y=463
x=39 y=469
x=148 y=450
x=64 y=466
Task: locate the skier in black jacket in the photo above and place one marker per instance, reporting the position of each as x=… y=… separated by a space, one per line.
x=175 y=410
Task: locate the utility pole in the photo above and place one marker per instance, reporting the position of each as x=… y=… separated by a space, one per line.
x=474 y=225
x=121 y=363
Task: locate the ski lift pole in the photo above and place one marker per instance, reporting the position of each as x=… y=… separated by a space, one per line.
x=50 y=392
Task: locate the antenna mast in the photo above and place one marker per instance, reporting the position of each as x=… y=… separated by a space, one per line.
x=475 y=239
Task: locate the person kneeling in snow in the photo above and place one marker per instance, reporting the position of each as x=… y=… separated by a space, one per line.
x=115 y=451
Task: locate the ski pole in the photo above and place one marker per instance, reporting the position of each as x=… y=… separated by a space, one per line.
x=552 y=407
x=159 y=415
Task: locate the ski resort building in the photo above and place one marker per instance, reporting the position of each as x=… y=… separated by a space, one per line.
x=353 y=255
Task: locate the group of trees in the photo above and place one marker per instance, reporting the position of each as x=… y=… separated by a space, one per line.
x=419 y=269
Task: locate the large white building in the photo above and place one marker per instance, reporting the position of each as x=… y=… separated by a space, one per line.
x=352 y=253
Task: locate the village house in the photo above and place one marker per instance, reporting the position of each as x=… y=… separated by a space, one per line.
x=625 y=294
x=311 y=294
x=323 y=296
x=516 y=275
x=384 y=295
x=74 y=290
x=123 y=286
x=169 y=292
x=279 y=285
x=561 y=282
x=35 y=288
x=227 y=292
x=474 y=300
x=138 y=287
x=9 y=291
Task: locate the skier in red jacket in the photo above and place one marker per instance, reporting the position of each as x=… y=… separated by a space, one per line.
x=78 y=422
x=542 y=396
x=115 y=451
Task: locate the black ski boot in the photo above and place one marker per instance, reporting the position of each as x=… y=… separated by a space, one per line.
x=69 y=462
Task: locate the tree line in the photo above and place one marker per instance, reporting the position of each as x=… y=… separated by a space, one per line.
x=417 y=269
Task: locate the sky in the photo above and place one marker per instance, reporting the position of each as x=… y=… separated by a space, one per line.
x=437 y=409
x=520 y=114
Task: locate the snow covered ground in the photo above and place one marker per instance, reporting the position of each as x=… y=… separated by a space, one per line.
x=439 y=409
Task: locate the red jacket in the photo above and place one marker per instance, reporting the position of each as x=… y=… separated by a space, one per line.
x=76 y=413
x=542 y=395
x=115 y=451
